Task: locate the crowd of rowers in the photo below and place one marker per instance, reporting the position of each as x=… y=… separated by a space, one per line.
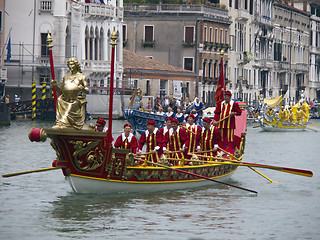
x=287 y=115
x=181 y=140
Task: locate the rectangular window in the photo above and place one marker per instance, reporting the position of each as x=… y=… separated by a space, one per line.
x=216 y=35
x=210 y=35
x=148 y=33
x=124 y=32
x=44 y=49
x=221 y=36
x=1 y=21
x=147 y=88
x=188 y=64
x=187 y=89
x=226 y=36
x=189 y=33
x=204 y=34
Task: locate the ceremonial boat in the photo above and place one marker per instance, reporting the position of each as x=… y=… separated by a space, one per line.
x=91 y=165
x=272 y=123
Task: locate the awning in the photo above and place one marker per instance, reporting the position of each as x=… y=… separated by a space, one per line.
x=272 y=102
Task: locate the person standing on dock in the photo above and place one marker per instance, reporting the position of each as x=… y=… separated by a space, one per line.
x=127 y=140
x=224 y=115
x=152 y=137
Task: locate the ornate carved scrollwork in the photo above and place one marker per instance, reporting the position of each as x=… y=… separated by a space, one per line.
x=55 y=148
x=94 y=158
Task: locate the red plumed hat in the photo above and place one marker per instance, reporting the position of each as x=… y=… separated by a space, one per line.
x=127 y=125
x=192 y=116
x=174 y=120
x=151 y=122
x=101 y=122
x=228 y=93
x=208 y=120
x=169 y=118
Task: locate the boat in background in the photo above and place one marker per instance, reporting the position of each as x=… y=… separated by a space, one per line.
x=138 y=119
x=272 y=123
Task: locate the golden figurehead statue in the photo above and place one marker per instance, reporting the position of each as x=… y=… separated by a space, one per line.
x=70 y=112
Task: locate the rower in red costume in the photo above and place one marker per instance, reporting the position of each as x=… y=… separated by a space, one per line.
x=175 y=139
x=194 y=132
x=210 y=138
x=166 y=128
x=153 y=139
x=223 y=110
x=101 y=127
x=127 y=140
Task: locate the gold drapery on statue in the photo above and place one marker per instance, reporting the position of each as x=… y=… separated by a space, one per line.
x=70 y=112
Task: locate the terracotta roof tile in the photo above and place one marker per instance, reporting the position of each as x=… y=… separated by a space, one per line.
x=136 y=61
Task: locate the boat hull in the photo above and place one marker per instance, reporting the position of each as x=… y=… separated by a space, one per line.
x=81 y=184
x=272 y=125
x=92 y=165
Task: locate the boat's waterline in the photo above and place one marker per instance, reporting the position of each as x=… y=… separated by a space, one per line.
x=81 y=184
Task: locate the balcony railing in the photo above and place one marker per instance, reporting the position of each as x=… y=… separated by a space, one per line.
x=45 y=5
x=208 y=11
x=300 y=67
x=92 y=10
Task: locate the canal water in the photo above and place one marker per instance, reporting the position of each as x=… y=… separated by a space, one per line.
x=43 y=206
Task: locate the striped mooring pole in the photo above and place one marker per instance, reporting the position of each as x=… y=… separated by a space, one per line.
x=34 y=100
x=44 y=89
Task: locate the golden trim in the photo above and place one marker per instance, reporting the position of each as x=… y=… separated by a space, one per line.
x=157 y=182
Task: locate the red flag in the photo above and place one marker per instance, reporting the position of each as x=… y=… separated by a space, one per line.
x=221 y=87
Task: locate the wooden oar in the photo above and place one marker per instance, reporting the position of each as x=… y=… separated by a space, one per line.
x=223 y=119
x=301 y=172
x=308 y=127
x=225 y=159
x=256 y=171
x=318 y=125
x=188 y=130
x=196 y=175
x=178 y=151
x=27 y=172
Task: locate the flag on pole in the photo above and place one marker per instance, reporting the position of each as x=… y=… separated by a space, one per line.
x=221 y=86
x=9 y=50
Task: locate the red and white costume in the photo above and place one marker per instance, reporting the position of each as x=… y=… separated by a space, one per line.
x=210 y=139
x=175 y=141
x=194 y=138
x=129 y=142
x=228 y=125
x=153 y=141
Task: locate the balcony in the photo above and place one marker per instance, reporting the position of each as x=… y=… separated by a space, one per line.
x=300 y=67
x=264 y=20
x=282 y=66
x=45 y=6
x=100 y=11
x=242 y=15
x=207 y=11
x=96 y=65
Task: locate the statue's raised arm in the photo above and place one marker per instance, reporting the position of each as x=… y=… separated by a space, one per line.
x=71 y=103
